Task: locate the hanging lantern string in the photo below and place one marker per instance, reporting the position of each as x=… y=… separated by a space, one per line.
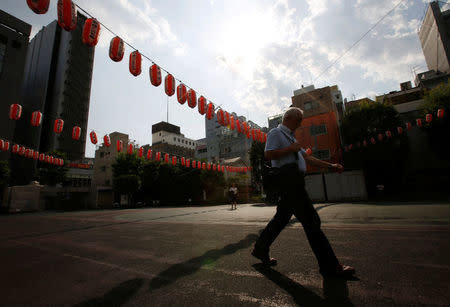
x=143 y=55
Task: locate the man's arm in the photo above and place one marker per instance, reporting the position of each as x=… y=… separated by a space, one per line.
x=280 y=153
x=323 y=164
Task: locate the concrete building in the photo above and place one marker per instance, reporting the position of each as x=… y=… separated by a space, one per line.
x=434 y=35
x=320 y=127
x=224 y=143
x=14 y=36
x=167 y=138
x=57 y=82
x=355 y=103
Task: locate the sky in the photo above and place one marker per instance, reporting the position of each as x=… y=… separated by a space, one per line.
x=246 y=56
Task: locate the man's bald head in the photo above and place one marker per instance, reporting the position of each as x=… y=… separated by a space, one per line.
x=292 y=118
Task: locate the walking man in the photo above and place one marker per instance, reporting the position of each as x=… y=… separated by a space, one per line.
x=287 y=155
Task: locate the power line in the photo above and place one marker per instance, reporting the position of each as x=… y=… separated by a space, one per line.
x=355 y=43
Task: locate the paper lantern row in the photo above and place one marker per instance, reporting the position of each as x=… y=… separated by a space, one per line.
x=30 y=153
x=67 y=19
x=400 y=130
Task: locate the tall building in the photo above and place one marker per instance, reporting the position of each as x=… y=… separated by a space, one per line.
x=167 y=138
x=320 y=126
x=57 y=82
x=224 y=143
x=434 y=35
x=14 y=36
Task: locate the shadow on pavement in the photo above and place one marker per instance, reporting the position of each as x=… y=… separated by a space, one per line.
x=193 y=265
x=335 y=290
x=117 y=296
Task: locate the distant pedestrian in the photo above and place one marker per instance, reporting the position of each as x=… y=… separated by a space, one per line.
x=283 y=150
x=233 y=191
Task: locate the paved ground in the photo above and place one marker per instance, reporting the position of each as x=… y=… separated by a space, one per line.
x=200 y=256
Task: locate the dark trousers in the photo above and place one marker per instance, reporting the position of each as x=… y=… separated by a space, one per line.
x=295 y=201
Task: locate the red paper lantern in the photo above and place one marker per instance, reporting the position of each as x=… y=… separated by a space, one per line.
x=194 y=164
x=149 y=154
x=47 y=159
x=440 y=113
x=232 y=122
x=226 y=118
x=38 y=6
x=388 y=134
x=91 y=31
x=350 y=147
x=399 y=130
x=130 y=149
x=214 y=167
x=380 y=137
x=166 y=158
x=220 y=117
x=135 y=63
x=408 y=126
x=199 y=165
x=22 y=150
x=192 y=98
x=15 y=149
x=202 y=105
x=181 y=93
x=116 y=49
x=169 y=85
x=265 y=137
x=141 y=152
x=253 y=133
x=119 y=145
x=36 y=155
x=15 y=111
x=6 y=146
x=248 y=134
x=365 y=143
x=106 y=140
x=67 y=15
x=29 y=153
x=210 y=111
x=158 y=156
x=188 y=163
x=223 y=169
x=372 y=140
x=58 y=126
x=419 y=122
x=93 y=137
x=208 y=166
x=41 y=157
x=52 y=160
x=245 y=127
x=183 y=161
x=76 y=133
x=174 y=160
x=308 y=151
x=2 y=145
x=428 y=118
x=36 y=119
x=155 y=75
x=238 y=126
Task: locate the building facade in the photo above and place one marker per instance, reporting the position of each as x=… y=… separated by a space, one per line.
x=167 y=138
x=14 y=36
x=320 y=126
x=434 y=35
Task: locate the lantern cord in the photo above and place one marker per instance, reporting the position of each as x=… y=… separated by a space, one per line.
x=132 y=47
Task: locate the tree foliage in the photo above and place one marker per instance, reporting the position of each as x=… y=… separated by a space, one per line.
x=49 y=174
x=4 y=174
x=439 y=129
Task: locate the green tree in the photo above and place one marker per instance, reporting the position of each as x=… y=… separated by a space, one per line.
x=382 y=162
x=4 y=177
x=438 y=130
x=49 y=174
x=127 y=171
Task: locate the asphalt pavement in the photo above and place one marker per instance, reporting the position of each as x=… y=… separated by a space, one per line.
x=200 y=256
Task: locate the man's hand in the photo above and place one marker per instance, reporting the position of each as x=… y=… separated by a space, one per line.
x=337 y=167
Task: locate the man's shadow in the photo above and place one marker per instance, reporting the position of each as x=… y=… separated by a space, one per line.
x=335 y=290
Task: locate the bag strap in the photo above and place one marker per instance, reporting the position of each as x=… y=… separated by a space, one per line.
x=290 y=141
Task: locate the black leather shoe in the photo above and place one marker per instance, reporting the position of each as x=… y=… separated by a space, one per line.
x=264 y=257
x=340 y=271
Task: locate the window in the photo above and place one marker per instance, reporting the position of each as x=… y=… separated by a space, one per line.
x=103 y=168
x=160 y=134
x=3 y=41
x=174 y=139
x=102 y=154
x=317 y=130
x=323 y=154
x=107 y=182
x=310 y=105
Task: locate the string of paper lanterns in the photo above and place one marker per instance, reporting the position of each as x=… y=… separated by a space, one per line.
x=380 y=136
x=67 y=19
